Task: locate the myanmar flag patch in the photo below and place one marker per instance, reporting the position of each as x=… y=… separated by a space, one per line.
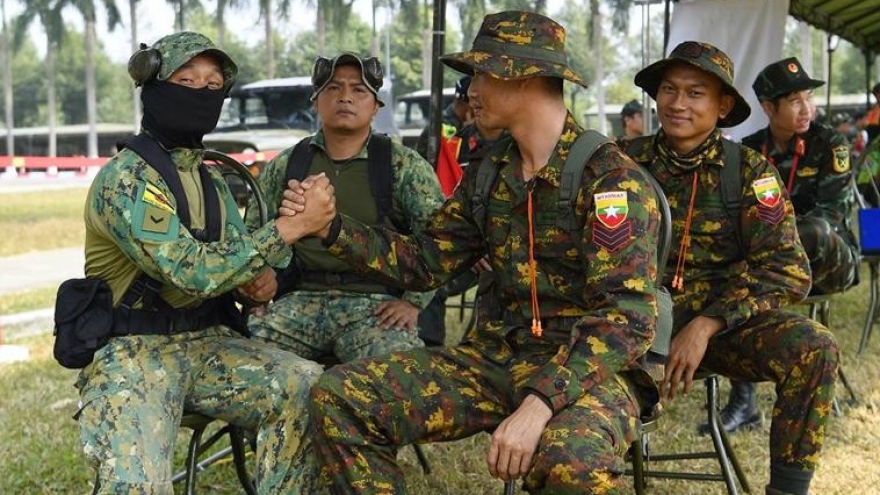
x=767 y=191
x=611 y=208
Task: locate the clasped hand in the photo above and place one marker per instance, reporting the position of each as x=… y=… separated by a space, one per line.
x=307 y=208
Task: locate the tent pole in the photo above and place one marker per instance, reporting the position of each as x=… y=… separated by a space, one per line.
x=437 y=47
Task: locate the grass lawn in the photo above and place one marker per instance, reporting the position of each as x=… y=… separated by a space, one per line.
x=40 y=220
x=39 y=451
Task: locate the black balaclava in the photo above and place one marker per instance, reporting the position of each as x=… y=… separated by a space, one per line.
x=179 y=116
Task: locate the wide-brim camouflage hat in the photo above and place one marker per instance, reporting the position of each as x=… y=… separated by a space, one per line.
x=705 y=57
x=782 y=78
x=516 y=45
x=178 y=48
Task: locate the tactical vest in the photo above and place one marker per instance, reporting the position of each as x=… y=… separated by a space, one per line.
x=381 y=178
x=155 y=316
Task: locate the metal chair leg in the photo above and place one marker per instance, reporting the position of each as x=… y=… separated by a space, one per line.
x=195 y=443
x=236 y=441
x=423 y=460
x=871 y=317
x=715 y=430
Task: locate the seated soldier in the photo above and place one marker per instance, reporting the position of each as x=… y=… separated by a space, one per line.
x=556 y=370
x=814 y=163
x=324 y=308
x=734 y=271
x=165 y=234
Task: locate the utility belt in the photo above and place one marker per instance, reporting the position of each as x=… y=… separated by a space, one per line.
x=85 y=318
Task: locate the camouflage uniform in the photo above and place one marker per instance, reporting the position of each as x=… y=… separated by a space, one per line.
x=316 y=321
x=585 y=366
x=135 y=391
x=821 y=190
x=761 y=341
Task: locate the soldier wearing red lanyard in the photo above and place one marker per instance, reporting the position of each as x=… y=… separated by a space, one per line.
x=813 y=160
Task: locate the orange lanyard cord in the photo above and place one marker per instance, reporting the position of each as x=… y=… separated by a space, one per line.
x=537 y=331
x=678 y=279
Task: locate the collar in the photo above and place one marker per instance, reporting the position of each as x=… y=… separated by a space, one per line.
x=319 y=141
x=552 y=172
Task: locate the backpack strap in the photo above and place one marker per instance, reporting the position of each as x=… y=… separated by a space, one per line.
x=572 y=172
x=731 y=189
x=160 y=160
x=299 y=161
x=381 y=175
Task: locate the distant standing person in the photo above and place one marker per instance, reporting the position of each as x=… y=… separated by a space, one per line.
x=633 y=120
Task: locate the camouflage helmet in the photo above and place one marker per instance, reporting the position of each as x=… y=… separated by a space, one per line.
x=707 y=58
x=782 y=78
x=178 y=48
x=516 y=45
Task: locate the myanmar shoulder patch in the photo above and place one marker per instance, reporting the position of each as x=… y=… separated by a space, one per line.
x=841 y=159
x=771 y=208
x=612 y=230
x=611 y=208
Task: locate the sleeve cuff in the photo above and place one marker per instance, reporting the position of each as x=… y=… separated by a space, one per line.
x=333 y=234
x=556 y=385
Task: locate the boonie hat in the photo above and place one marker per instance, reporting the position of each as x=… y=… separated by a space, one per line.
x=707 y=58
x=178 y=48
x=515 y=45
x=371 y=72
x=781 y=78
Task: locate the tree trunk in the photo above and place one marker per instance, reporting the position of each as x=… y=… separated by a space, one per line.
x=221 y=24
x=270 y=46
x=806 y=45
x=596 y=14
x=91 y=106
x=374 y=44
x=135 y=91
x=7 y=86
x=180 y=21
x=50 y=98
x=322 y=32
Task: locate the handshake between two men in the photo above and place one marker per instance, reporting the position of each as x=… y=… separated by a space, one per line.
x=308 y=208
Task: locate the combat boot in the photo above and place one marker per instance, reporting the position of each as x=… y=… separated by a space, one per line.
x=741 y=411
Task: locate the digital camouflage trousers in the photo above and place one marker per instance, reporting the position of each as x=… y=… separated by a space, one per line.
x=136 y=390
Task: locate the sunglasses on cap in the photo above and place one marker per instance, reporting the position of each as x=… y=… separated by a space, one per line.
x=371 y=71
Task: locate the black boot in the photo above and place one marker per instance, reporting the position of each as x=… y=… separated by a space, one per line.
x=741 y=411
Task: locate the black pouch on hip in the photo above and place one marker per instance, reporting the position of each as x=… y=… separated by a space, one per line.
x=83 y=320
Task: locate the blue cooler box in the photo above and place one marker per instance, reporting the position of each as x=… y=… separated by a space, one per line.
x=869 y=230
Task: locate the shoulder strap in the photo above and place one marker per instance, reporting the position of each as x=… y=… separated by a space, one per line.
x=299 y=160
x=159 y=159
x=381 y=174
x=731 y=188
x=487 y=174
x=572 y=172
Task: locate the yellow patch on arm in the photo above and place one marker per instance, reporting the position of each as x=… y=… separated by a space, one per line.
x=154 y=196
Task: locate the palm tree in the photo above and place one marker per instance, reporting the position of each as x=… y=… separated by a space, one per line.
x=180 y=7
x=7 y=84
x=135 y=91
x=222 y=7
x=49 y=14
x=87 y=9
x=283 y=10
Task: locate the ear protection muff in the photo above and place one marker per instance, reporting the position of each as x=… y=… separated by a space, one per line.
x=144 y=64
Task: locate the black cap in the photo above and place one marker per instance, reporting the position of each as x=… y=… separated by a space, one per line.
x=631 y=108
x=782 y=78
